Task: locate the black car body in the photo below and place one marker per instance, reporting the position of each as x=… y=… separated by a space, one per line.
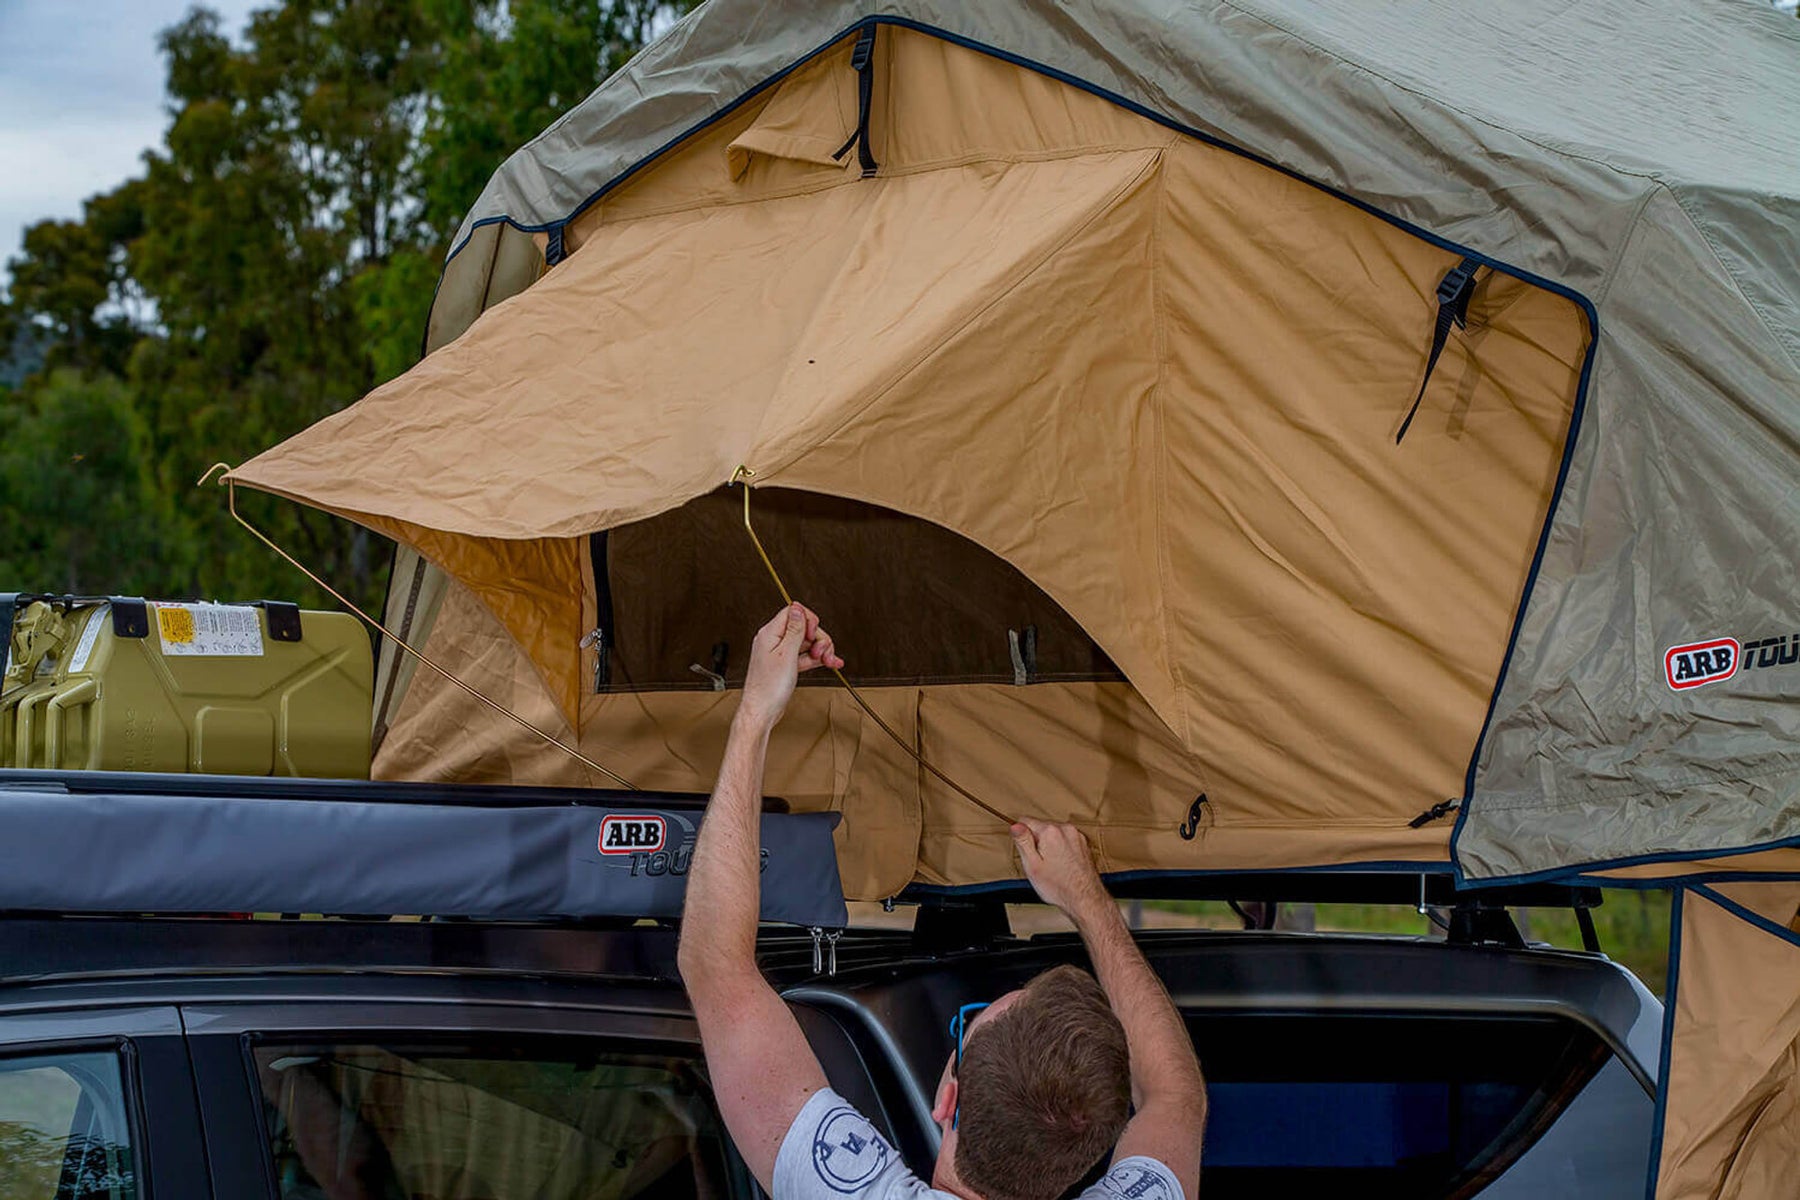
x=235 y=1056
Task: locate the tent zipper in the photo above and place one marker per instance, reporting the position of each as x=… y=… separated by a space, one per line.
x=1436 y=812
x=603 y=635
x=1453 y=296
x=862 y=59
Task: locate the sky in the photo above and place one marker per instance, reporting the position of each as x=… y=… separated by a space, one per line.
x=81 y=99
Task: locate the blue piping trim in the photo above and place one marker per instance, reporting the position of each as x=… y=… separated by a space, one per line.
x=1743 y=914
x=1577 y=410
x=1123 y=102
x=1581 y=871
x=1395 y=867
x=1669 y=884
x=1668 y=1043
x=1537 y=562
x=619 y=179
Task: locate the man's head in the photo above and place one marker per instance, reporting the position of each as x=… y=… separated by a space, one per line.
x=1043 y=1089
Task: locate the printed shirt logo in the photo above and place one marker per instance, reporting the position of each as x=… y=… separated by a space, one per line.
x=847 y=1153
x=632 y=834
x=1134 y=1182
x=1699 y=663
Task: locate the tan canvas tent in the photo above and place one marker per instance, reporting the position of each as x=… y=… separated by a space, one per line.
x=1068 y=347
x=1731 y=1077
x=1254 y=430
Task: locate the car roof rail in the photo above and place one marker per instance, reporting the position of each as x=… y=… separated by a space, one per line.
x=963 y=918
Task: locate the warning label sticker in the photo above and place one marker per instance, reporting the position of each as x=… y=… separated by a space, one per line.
x=84 y=649
x=219 y=630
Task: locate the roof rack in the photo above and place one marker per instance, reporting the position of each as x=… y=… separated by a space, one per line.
x=974 y=917
x=101 y=842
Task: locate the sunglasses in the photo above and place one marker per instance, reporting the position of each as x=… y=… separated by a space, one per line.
x=959 y=1029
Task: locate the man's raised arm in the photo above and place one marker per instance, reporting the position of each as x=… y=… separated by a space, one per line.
x=762 y=1068
x=1167 y=1089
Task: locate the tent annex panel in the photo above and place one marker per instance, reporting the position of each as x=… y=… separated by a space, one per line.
x=1051 y=333
x=1730 y=1095
x=1774 y=861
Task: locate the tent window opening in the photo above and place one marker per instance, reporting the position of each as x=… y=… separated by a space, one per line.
x=681 y=594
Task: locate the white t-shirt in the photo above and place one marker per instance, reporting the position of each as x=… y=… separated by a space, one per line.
x=832 y=1151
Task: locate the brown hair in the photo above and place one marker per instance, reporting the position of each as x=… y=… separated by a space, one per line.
x=1044 y=1088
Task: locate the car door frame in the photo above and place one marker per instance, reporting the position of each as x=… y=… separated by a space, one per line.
x=168 y=1150
x=220 y=1033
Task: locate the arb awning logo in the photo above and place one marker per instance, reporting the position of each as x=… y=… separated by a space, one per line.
x=633 y=834
x=1699 y=663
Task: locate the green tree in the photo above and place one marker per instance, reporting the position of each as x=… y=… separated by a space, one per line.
x=87 y=513
x=73 y=279
x=276 y=261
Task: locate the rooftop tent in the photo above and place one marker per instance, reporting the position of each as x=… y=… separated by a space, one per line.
x=1068 y=345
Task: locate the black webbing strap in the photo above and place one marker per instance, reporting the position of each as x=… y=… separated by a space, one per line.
x=555 y=250
x=1453 y=296
x=862 y=58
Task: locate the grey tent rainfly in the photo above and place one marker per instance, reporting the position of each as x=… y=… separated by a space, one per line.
x=1335 y=434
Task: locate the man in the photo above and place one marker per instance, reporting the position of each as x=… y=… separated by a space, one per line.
x=1037 y=1087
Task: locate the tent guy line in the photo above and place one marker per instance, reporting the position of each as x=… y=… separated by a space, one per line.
x=231 y=505
x=741 y=478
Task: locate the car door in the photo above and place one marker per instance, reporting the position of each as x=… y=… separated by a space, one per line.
x=458 y=1100
x=98 y=1104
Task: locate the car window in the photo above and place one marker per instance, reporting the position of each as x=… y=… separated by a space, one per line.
x=63 y=1128
x=540 y=1120
x=1382 y=1104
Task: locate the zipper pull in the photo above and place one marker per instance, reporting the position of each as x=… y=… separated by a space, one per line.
x=831 y=940
x=597 y=639
x=818 y=937
x=1435 y=812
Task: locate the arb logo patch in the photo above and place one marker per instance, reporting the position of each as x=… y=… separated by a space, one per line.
x=632 y=835
x=1699 y=663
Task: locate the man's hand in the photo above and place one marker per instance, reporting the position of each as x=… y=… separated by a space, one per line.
x=789 y=644
x=1167 y=1088
x=762 y=1068
x=1059 y=866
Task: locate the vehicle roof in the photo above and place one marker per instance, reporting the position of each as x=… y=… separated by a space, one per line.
x=886 y=981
